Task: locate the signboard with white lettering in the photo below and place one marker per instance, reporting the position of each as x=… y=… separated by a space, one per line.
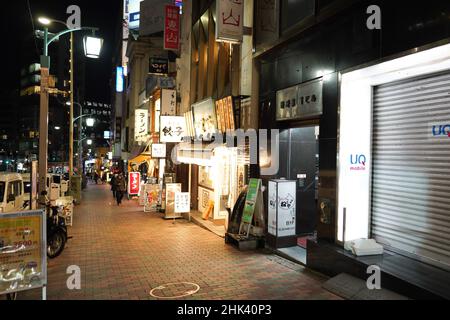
x=134 y=183
x=172 y=28
x=230 y=20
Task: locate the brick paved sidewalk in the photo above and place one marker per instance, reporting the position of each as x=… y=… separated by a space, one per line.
x=124 y=253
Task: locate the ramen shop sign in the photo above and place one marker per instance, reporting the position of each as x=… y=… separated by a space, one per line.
x=134 y=183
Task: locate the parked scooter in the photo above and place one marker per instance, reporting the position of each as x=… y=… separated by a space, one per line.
x=56 y=229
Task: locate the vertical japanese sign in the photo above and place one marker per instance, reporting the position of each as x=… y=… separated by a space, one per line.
x=254 y=188
x=168 y=102
x=23 y=251
x=118 y=134
x=134 y=183
x=34 y=184
x=172 y=28
x=141 y=125
x=230 y=20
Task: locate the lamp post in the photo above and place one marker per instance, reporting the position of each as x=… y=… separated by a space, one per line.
x=89 y=123
x=91 y=52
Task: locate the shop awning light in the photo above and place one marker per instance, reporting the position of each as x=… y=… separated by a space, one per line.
x=92 y=46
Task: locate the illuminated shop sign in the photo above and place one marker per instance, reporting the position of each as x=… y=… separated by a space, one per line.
x=119 y=79
x=134 y=183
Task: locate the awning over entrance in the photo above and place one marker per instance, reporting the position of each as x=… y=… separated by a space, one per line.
x=195 y=153
x=139 y=155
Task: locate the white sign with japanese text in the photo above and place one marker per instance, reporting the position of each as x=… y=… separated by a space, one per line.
x=173 y=129
x=141 y=125
x=168 y=102
x=182 y=202
x=230 y=20
x=159 y=150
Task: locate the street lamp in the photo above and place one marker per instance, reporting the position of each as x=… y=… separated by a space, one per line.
x=43 y=112
x=44 y=21
x=92 y=46
x=89 y=142
x=90 y=122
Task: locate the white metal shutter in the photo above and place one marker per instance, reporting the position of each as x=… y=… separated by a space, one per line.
x=411 y=167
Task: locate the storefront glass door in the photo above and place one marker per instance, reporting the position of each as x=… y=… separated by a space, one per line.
x=301 y=145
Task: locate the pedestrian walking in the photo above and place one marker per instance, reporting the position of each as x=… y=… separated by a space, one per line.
x=96 y=177
x=113 y=185
x=121 y=188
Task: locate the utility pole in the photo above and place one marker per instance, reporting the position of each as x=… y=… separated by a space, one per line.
x=71 y=108
x=43 y=120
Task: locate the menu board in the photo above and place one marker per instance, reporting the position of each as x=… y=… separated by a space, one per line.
x=182 y=202
x=171 y=190
x=225 y=114
x=23 y=251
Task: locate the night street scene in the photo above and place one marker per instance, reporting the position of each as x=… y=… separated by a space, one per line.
x=214 y=157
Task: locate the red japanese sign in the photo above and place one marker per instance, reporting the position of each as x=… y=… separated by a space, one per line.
x=172 y=28
x=134 y=183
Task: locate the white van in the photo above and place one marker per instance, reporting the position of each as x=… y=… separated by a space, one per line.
x=12 y=193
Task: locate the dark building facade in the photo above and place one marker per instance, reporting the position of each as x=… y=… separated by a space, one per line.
x=324 y=44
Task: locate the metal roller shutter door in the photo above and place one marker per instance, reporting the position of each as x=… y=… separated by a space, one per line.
x=411 y=167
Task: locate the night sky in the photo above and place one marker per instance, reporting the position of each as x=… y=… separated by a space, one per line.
x=94 y=13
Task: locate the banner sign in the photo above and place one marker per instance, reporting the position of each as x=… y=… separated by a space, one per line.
x=254 y=187
x=168 y=102
x=230 y=20
x=141 y=125
x=158 y=66
x=134 y=183
x=173 y=129
x=172 y=28
x=23 y=251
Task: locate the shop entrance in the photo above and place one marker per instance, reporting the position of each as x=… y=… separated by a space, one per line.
x=299 y=161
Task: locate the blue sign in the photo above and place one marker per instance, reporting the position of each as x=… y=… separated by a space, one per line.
x=358 y=162
x=441 y=130
x=135 y=16
x=119 y=79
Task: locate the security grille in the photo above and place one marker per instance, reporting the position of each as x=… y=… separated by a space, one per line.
x=411 y=167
